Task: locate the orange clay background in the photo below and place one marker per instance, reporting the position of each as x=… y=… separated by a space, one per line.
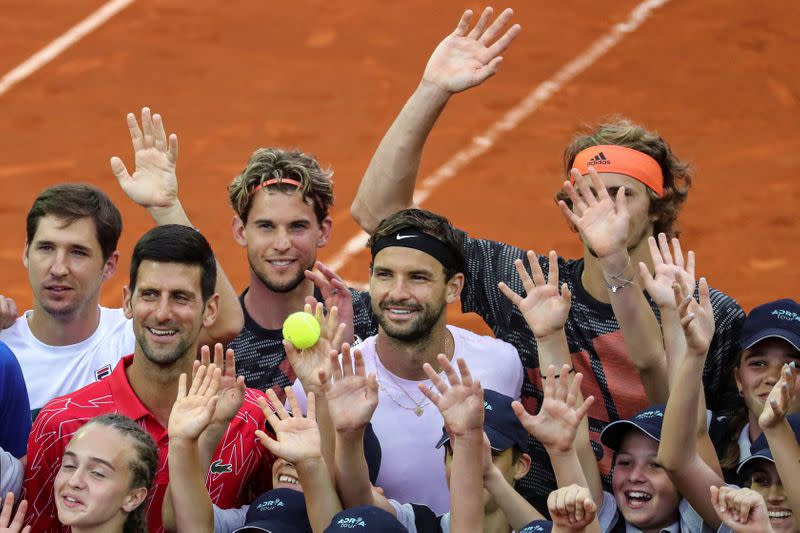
x=719 y=79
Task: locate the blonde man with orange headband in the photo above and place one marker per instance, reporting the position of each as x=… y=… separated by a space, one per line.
x=634 y=192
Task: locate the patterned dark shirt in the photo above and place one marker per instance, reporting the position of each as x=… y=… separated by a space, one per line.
x=260 y=357
x=597 y=348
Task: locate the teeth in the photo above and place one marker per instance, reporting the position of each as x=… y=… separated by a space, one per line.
x=400 y=311
x=634 y=495
x=779 y=514
x=162 y=332
x=280 y=263
x=283 y=478
x=71 y=500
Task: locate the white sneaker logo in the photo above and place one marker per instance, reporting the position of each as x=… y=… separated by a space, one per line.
x=404 y=236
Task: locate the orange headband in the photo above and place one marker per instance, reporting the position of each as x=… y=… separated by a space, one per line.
x=287 y=181
x=622 y=160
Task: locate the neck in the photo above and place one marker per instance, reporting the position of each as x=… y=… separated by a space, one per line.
x=157 y=385
x=753 y=428
x=405 y=360
x=495 y=521
x=594 y=281
x=63 y=331
x=269 y=308
x=114 y=525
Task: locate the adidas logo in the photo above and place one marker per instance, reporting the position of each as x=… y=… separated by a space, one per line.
x=599 y=159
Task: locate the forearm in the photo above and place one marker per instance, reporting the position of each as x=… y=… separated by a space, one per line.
x=515 y=507
x=319 y=492
x=553 y=350
x=786 y=452
x=352 y=473
x=326 y=432
x=466 y=484
x=388 y=184
x=187 y=505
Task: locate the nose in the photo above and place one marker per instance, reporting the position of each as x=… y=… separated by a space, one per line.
x=76 y=480
x=774 y=373
x=59 y=266
x=637 y=473
x=399 y=290
x=282 y=240
x=163 y=311
x=776 y=494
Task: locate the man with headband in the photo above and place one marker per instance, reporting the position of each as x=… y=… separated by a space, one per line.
x=281 y=200
x=625 y=155
x=417 y=270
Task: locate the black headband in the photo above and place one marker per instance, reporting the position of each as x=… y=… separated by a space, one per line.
x=413 y=238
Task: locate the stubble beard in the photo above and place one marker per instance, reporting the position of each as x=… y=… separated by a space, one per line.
x=415 y=333
x=284 y=287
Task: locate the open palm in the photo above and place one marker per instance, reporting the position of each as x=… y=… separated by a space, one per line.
x=308 y=363
x=297 y=437
x=352 y=396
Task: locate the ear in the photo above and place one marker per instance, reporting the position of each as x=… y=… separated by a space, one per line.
x=325 y=231
x=110 y=268
x=523 y=465
x=25 y=255
x=211 y=310
x=737 y=377
x=237 y=226
x=127 y=307
x=454 y=286
x=134 y=499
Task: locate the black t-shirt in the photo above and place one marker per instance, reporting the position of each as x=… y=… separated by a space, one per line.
x=260 y=356
x=596 y=344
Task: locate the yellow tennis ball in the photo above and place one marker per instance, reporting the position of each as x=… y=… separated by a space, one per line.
x=301 y=329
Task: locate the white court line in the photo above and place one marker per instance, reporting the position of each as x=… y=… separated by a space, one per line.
x=52 y=50
x=512 y=118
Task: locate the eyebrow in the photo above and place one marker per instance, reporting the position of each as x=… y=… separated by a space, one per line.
x=93 y=460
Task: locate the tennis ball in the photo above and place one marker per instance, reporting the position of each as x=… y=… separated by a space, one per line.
x=301 y=329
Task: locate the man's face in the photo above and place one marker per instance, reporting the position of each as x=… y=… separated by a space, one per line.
x=638 y=202
x=645 y=495
x=65 y=266
x=409 y=292
x=168 y=311
x=282 y=236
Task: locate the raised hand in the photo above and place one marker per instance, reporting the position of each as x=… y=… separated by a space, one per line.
x=742 y=510
x=557 y=422
x=335 y=293
x=571 y=507
x=8 y=312
x=544 y=308
x=602 y=221
x=669 y=268
x=466 y=58
x=308 y=363
x=697 y=318
x=231 y=387
x=460 y=402
x=297 y=436
x=191 y=413
x=9 y=525
x=780 y=398
x=352 y=395
x=154 y=183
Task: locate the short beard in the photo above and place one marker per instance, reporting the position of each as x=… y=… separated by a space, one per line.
x=165 y=360
x=288 y=286
x=420 y=330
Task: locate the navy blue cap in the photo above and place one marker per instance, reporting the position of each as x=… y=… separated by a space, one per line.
x=277 y=510
x=500 y=424
x=780 y=319
x=648 y=420
x=759 y=449
x=364 y=519
x=537 y=526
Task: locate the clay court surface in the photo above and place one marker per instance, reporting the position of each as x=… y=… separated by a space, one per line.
x=719 y=79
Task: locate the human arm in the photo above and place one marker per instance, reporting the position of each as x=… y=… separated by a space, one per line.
x=154 y=186
x=9 y=524
x=572 y=509
x=297 y=440
x=15 y=409
x=187 y=505
x=464 y=59
x=8 y=312
x=556 y=426
x=604 y=224
x=677 y=452
x=780 y=436
x=460 y=402
x=742 y=510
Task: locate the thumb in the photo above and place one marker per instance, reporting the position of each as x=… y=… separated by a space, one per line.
x=119 y=170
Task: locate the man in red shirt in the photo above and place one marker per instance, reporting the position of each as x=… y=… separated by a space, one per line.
x=170 y=298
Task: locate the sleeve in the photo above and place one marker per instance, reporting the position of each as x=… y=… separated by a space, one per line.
x=228 y=520
x=720 y=389
x=45 y=448
x=515 y=362
x=487 y=264
x=15 y=410
x=11 y=474
x=607 y=514
x=405 y=515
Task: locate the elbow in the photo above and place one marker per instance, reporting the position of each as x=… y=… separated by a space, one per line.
x=361 y=215
x=670 y=462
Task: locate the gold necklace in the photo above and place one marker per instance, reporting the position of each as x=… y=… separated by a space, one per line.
x=419 y=407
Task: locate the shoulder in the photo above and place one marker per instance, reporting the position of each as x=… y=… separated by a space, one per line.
x=17 y=331
x=477 y=344
x=111 y=319
x=7 y=357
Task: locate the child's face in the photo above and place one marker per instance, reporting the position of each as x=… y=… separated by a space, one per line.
x=284 y=476
x=92 y=487
x=765 y=480
x=644 y=493
x=759 y=370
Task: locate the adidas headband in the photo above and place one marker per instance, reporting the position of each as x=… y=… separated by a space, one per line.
x=413 y=238
x=621 y=160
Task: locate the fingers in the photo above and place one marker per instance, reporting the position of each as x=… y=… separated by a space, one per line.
x=311 y=404
x=599 y=193
x=278 y=410
x=496 y=27
x=269 y=443
x=568 y=214
x=655 y=252
x=360 y=366
x=579 y=203
x=182 y=387
x=678 y=253
x=8 y=312
x=663 y=246
x=482 y=24
x=172 y=153
x=463 y=24
x=515 y=298
x=159 y=135
x=119 y=169
x=8 y=506
x=148 y=136
x=347 y=363
x=136 y=134
x=466 y=377
x=705 y=295
x=552 y=268
x=690 y=262
x=230 y=362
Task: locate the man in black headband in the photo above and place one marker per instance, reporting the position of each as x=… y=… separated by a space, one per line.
x=417 y=270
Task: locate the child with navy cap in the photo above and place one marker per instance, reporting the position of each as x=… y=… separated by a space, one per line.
x=365 y=519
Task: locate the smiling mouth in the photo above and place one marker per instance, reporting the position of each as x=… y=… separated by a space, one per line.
x=281 y=262
x=637 y=498
x=162 y=332
x=778 y=515
x=284 y=478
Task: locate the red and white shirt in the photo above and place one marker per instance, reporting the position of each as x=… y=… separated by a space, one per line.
x=240 y=470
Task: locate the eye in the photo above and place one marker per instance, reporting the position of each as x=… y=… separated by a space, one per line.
x=756 y=363
x=79 y=253
x=265 y=225
x=299 y=226
x=654 y=465
x=98 y=474
x=44 y=247
x=623 y=462
x=65 y=466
